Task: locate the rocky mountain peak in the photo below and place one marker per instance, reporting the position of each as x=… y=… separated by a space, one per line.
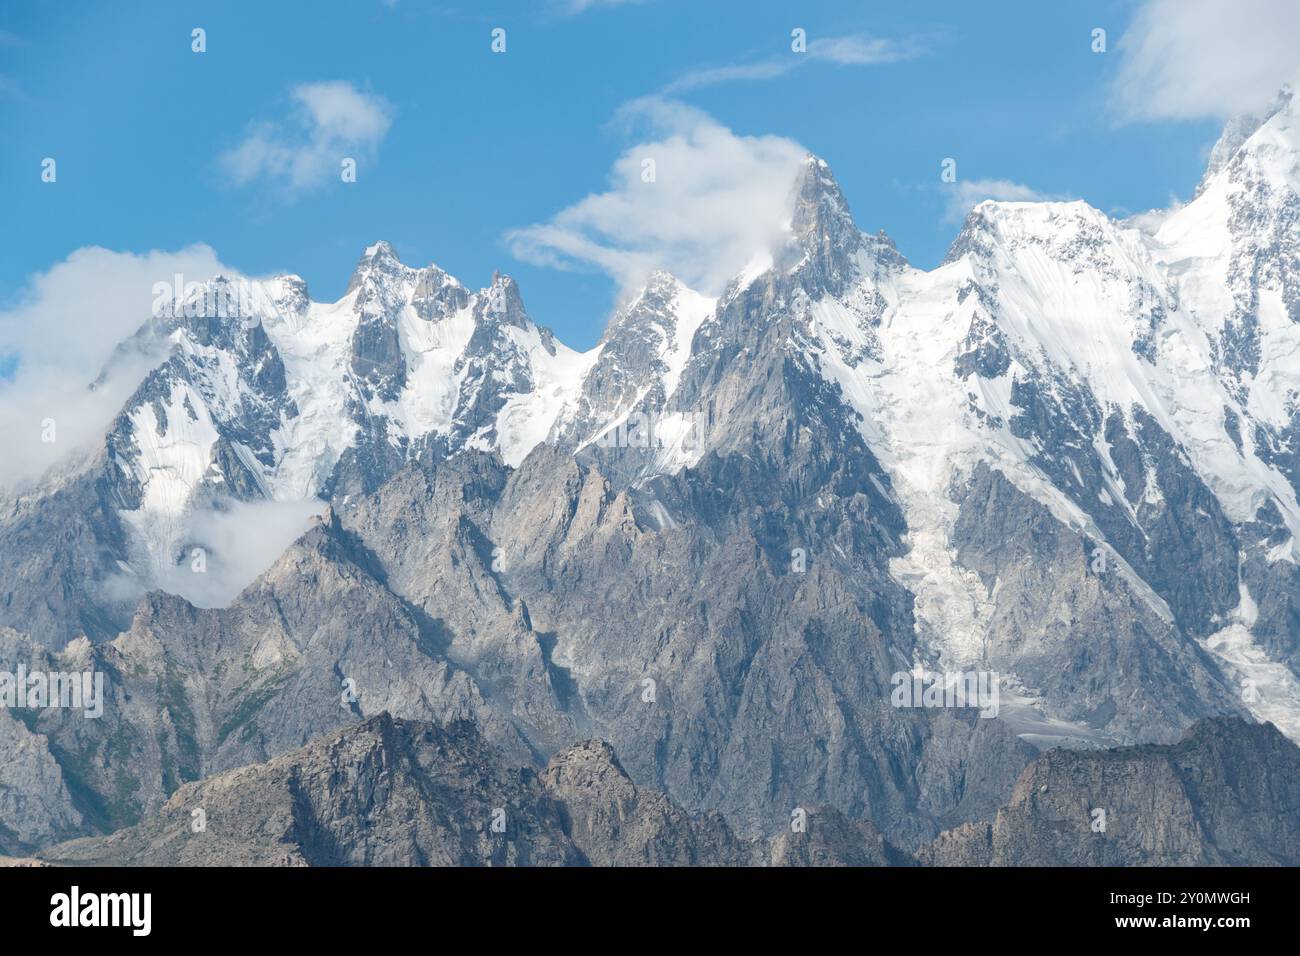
x=1239 y=131
x=661 y=282
x=437 y=295
x=825 y=243
x=289 y=294
x=501 y=302
x=821 y=226
x=377 y=260
x=1070 y=230
x=652 y=305
x=819 y=206
x=379 y=252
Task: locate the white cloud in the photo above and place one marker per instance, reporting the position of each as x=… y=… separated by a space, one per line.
x=863 y=50
x=710 y=76
x=64 y=329
x=1191 y=59
x=717 y=200
x=582 y=6
x=854 y=50
x=330 y=122
x=1149 y=221
x=240 y=540
x=964 y=194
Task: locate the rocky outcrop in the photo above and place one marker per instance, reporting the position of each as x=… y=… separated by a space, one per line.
x=35 y=805
x=413 y=793
x=828 y=838
x=384 y=793
x=615 y=823
x=1227 y=794
x=408 y=793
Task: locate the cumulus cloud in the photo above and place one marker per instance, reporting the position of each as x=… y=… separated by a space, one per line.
x=1192 y=59
x=329 y=122
x=965 y=194
x=236 y=542
x=63 y=330
x=854 y=50
x=713 y=202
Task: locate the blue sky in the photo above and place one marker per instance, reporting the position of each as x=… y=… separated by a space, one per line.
x=463 y=145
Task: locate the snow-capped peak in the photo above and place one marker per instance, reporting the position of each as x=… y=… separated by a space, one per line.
x=824 y=243
x=1239 y=131
x=287 y=398
x=380 y=249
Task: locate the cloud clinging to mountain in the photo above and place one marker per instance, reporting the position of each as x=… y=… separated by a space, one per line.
x=715 y=200
x=1193 y=59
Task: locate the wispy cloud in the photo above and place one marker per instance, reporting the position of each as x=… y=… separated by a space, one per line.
x=714 y=200
x=63 y=330
x=863 y=50
x=330 y=121
x=858 y=49
x=963 y=195
x=1192 y=59
x=240 y=540
x=572 y=7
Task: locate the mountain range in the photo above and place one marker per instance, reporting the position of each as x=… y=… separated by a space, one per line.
x=359 y=573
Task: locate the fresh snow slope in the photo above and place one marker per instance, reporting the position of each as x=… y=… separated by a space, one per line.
x=527 y=417
x=314 y=345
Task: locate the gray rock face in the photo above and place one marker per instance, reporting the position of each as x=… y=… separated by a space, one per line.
x=1062 y=609
x=34 y=801
x=316 y=644
x=410 y=793
x=831 y=839
x=55 y=550
x=400 y=793
x=615 y=823
x=725 y=691
x=1167 y=510
x=1225 y=795
x=384 y=793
